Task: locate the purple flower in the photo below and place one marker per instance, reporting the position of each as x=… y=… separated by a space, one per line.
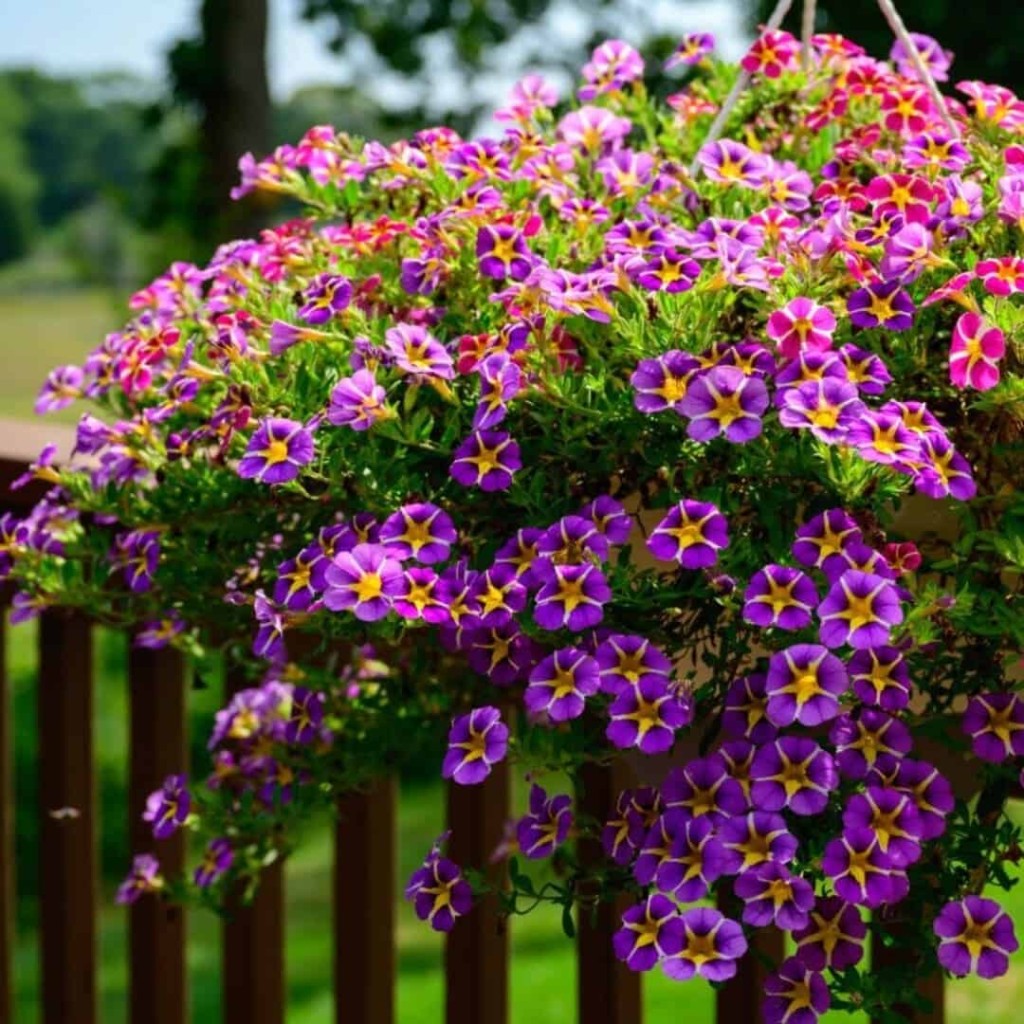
x=694 y=861
x=476 y=743
x=277 y=451
x=860 y=609
x=363 y=581
x=420 y=531
x=880 y=676
x=792 y=773
x=752 y=839
x=995 y=723
x=637 y=812
x=498 y=596
x=650 y=931
x=572 y=598
x=487 y=459
x=892 y=816
x=692 y=534
x=772 y=894
x=439 y=892
x=502 y=252
x=732 y=163
x=794 y=994
x=326 y=295
x=519 y=553
x=306 y=717
x=865 y=369
x=691 y=50
x=744 y=712
x=62 y=387
x=613 y=522
x=665 y=271
x=159 y=634
x=137 y=554
x=882 y=304
x=704 y=788
x=500 y=381
x=612 y=65
x=143 y=878
x=417 y=352
x=834 y=937
x=168 y=807
x=358 y=402
x=975 y=934
x=827 y=407
x=726 y=401
x=299 y=581
x=573 y=540
x=217 y=859
x=662 y=383
x=861 y=873
x=824 y=536
x=870 y=739
x=560 y=684
x=646 y=715
x=804 y=685
x=779 y=596
x=627 y=660
x=712 y=945
x=421 y=596
x=541 y=831
x=931 y=792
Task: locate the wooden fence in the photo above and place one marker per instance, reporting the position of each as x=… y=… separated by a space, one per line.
x=361 y=917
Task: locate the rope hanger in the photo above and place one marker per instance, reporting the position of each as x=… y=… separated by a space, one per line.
x=899 y=29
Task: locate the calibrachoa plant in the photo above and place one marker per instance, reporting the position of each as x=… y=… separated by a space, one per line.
x=599 y=440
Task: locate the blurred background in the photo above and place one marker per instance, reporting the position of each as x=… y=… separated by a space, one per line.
x=121 y=124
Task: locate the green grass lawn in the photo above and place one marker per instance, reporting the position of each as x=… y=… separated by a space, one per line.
x=41 y=331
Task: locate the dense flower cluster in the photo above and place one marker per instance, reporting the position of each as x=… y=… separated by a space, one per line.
x=601 y=429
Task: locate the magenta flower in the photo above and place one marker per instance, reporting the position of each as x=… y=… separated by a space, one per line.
x=420 y=531
x=625 y=661
x=801 y=325
x=476 y=743
x=795 y=994
x=650 y=931
x=827 y=407
x=327 y=295
x=804 y=685
x=487 y=459
x=779 y=596
x=546 y=826
x=975 y=352
x=277 y=451
x=217 y=859
x=593 y=129
x=144 y=878
x=773 y=52
x=834 y=936
x=792 y=773
x=860 y=609
x=1001 y=276
x=573 y=597
x=772 y=894
x=502 y=252
x=995 y=723
x=439 y=892
x=364 y=581
x=977 y=935
x=168 y=807
x=646 y=715
x=861 y=873
x=416 y=352
x=726 y=401
x=561 y=683
x=692 y=534
x=611 y=66
x=712 y=945
x=732 y=163
x=358 y=402
x=661 y=383
x=883 y=304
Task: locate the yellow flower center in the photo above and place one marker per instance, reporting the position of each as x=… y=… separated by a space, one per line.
x=369 y=586
x=276 y=452
x=827 y=417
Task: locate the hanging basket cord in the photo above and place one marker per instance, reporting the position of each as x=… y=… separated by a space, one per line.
x=899 y=29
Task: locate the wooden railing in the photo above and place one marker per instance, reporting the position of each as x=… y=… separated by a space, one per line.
x=361 y=916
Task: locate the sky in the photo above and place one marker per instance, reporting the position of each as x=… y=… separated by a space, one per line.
x=81 y=36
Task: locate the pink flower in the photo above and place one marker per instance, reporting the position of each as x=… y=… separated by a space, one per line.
x=801 y=325
x=975 y=352
x=771 y=54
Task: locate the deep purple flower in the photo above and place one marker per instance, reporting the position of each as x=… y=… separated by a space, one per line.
x=662 y=383
x=421 y=596
x=217 y=859
x=627 y=660
x=931 y=792
x=137 y=554
x=860 y=609
x=487 y=459
x=712 y=945
x=546 y=826
x=650 y=931
x=794 y=994
x=636 y=813
x=883 y=304
x=861 y=873
x=772 y=894
x=944 y=471
x=665 y=270
x=655 y=847
x=439 y=892
x=498 y=596
x=519 y=553
x=299 y=581
x=692 y=534
x=358 y=402
x=573 y=540
x=695 y=859
x=277 y=451
x=880 y=676
x=792 y=773
x=865 y=369
x=995 y=723
x=804 y=685
x=143 y=878
x=779 y=596
x=704 y=788
x=421 y=531
x=827 y=407
x=869 y=739
x=834 y=937
x=755 y=838
x=692 y=49
x=168 y=807
x=824 y=536
x=326 y=295
x=744 y=712
x=646 y=715
x=363 y=581
x=305 y=722
x=976 y=935
x=573 y=598
x=612 y=520
x=561 y=683
x=724 y=400
x=502 y=252
x=892 y=816
x=476 y=743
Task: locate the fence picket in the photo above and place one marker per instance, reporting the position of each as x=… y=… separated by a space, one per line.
x=253 y=979
x=476 y=951
x=931 y=987
x=67 y=847
x=6 y=834
x=364 y=895
x=738 y=1001
x=156 y=928
x=608 y=992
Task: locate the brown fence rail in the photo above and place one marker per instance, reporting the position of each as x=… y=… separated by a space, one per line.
x=361 y=915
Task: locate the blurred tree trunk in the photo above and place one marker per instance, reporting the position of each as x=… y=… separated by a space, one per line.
x=235 y=108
